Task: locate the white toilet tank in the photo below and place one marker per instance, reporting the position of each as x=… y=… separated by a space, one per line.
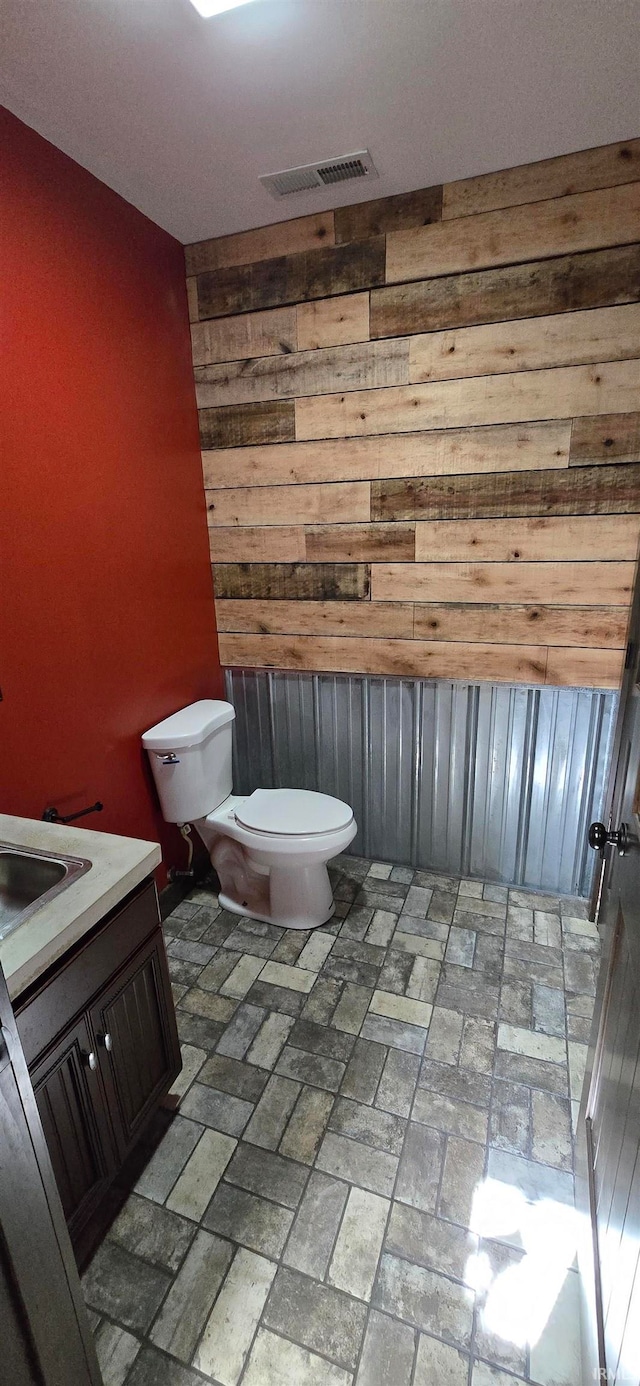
x=190 y=754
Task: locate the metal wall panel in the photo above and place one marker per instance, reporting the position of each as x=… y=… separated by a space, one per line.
x=482 y=780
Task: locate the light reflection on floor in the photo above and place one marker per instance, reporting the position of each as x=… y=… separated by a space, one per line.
x=520 y=1299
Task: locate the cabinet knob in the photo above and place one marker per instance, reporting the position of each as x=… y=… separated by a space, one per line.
x=90 y=1059
x=107 y=1041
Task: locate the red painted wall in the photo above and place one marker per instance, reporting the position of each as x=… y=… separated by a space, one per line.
x=107 y=606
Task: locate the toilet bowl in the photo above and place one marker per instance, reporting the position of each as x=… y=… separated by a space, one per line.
x=269 y=848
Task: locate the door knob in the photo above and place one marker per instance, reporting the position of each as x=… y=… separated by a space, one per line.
x=601 y=837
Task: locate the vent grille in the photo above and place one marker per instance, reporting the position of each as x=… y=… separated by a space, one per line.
x=320 y=175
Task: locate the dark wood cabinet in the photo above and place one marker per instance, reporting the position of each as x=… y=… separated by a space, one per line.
x=99 y=1035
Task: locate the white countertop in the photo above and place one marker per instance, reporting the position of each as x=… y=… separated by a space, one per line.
x=117 y=865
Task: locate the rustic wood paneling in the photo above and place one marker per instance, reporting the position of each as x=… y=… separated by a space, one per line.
x=580 y=668
x=503 y=448
x=291 y=279
x=363 y=366
x=292 y=582
x=265 y=243
x=237 y=425
x=592 y=280
x=598 y=334
x=585 y=626
x=608 y=438
x=407 y=658
x=255 y=544
x=528 y=540
x=604 y=388
x=399 y=213
x=555 y=227
x=340 y=543
x=390 y=619
x=273 y=333
x=570 y=173
x=333 y=503
x=330 y=322
x=581 y=584
x=404 y=474
x=612 y=490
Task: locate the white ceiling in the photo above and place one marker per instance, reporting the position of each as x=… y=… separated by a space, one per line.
x=181 y=115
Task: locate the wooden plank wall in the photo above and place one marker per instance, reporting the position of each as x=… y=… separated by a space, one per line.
x=420 y=422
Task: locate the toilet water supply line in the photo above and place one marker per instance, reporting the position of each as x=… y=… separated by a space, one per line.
x=174 y=873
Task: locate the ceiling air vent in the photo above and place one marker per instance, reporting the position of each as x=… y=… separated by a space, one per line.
x=320 y=175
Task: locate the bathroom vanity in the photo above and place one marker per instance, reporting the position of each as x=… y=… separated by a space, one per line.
x=88 y=978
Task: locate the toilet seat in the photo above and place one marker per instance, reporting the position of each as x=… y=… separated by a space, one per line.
x=292 y=813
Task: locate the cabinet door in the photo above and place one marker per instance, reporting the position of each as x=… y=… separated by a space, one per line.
x=71 y=1102
x=135 y=1030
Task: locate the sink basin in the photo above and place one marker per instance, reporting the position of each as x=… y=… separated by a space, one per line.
x=29 y=879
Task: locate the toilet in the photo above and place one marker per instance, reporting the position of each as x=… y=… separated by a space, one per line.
x=270 y=848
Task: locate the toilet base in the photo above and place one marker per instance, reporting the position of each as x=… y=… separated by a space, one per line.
x=300 y=898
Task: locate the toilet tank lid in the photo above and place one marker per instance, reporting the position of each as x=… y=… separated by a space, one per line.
x=189 y=726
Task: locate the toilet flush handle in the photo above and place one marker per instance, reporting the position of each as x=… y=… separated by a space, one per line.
x=171 y=759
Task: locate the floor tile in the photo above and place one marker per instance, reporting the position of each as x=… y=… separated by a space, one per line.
x=188 y=1304
x=510 y=1124
x=388 y=1352
x=462 y=1174
x=381 y=870
x=200 y=1176
x=192 y=1061
x=417 y=944
x=422 y=983
x=537 y=1073
x=397 y=1084
x=272 y=1112
x=363 y=1071
x=281 y=999
x=484 y=1375
x=532 y=1044
x=577 y=1068
x=417 y=901
x=556 y=1356
x=425 y=1299
x=551 y=1130
x=462 y=1084
x=401 y=1008
x=316 y=1225
x=364 y=1123
x=461 y=946
x=429 y=1241
x=152 y=1232
x=198 y=1031
x=478 y=1044
x=124 y=1287
x=318 y=1317
x=307 y=1125
x=233 y=1076
x=445 y=1035
x=358 y=1164
x=191 y=952
x=244 y=974
x=450 y=1115
x=241 y=1031
x=439 y=1363
x=252 y=1221
x=217 y=1109
x=380 y=930
x=322 y=1000
x=152 y=1368
x=216 y=972
x=397 y=970
x=226 y=1340
x=167 y=1162
x=261 y=1172
x=396 y=1033
x=357 y=1251
x=420 y=1167
x=274 y=1361
x=316 y=951
x=295 y=978
x=116 y=1350
x=321 y=1039
x=351 y=1008
x=536 y=1181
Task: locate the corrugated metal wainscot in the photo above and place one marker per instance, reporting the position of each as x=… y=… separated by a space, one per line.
x=483 y=780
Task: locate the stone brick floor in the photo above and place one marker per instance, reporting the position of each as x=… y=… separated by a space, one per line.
x=369 y=1178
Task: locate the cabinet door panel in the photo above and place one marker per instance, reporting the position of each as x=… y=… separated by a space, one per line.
x=72 y=1110
x=135 y=1029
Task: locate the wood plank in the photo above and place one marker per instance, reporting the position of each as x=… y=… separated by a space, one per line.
x=402 y=211
x=249 y=334
x=262 y=243
x=603 y=167
x=528 y=540
x=333 y=321
x=239 y=425
x=363 y=366
x=596 y=334
x=379 y=543
x=562 y=225
x=596 y=626
x=594 y=279
x=579 y=584
x=605 y=438
x=501 y=448
x=404 y=658
x=292 y=581
x=332 y=503
x=255 y=544
x=612 y=490
x=192 y=298
x=603 y=388
x=392 y=619
x=584 y=668
x=341 y=269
